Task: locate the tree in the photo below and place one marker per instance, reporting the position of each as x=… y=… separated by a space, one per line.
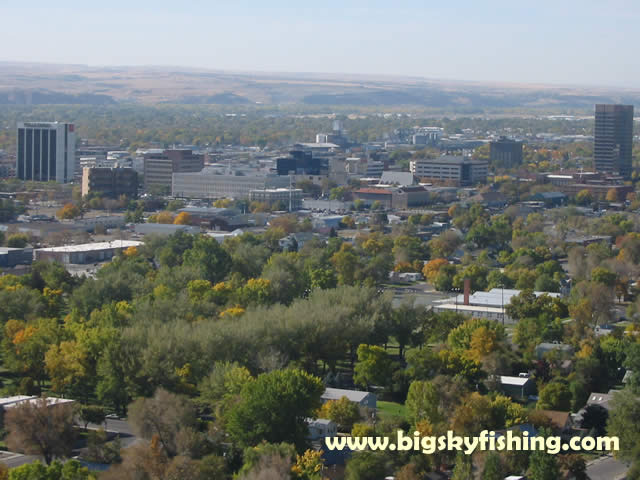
x=92 y=414
x=555 y=396
x=68 y=212
x=584 y=197
x=492 y=467
x=36 y=427
x=17 y=240
x=423 y=403
x=71 y=470
x=207 y=256
x=612 y=195
x=604 y=276
x=432 y=268
x=543 y=465
x=343 y=412
x=366 y=466
x=346 y=264
x=183 y=218
x=623 y=415
x=164 y=416
x=66 y=364
x=573 y=465
x=463 y=469
x=274 y=407
x=374 y=366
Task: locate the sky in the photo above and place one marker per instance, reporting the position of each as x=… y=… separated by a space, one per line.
x=587 y=42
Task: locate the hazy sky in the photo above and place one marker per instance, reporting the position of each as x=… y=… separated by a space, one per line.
x=590 y=42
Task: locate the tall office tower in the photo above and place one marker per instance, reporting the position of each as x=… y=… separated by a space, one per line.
x=45 y=151
x=613 y=139
x=505 y=153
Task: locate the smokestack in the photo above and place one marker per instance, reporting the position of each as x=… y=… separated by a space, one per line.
x=467 y=290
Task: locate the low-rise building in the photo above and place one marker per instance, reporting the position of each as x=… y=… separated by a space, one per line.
x=456 y=170
x=364 y=399
x=290 y=198
x=11 y=257
x=519 y=387
x=207 y=185
x=320 y=428
x=85 y=253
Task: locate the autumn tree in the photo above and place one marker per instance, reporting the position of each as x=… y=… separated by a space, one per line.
x=612 y=195
x=38 y=428
x=68 y=212
x=342 y=411
x=183 y=218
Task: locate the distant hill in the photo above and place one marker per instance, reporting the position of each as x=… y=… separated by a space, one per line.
x=24 y=83
x=45 y=97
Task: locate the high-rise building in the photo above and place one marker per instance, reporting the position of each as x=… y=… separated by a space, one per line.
x=110 y=182
x=613 y=139
x=505 y=153
x=45 y=151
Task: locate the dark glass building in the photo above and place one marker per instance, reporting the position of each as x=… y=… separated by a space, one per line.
x=505 y=153
x=613 y=139
x=301 y=163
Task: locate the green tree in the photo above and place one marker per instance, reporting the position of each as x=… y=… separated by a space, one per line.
x=17 y=240
x=463 y=469
x=274 y=408
x=555 y=396
x=374 y=366
x=492 y=467
x=209 y=258
x=543 y=465
x=423 y=403
x=366 y=466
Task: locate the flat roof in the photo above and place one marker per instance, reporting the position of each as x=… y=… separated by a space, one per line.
x=89 y=247
x=494 y=297
x=467 y=308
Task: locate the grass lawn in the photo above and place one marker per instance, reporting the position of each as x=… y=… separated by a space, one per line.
x=391 y=409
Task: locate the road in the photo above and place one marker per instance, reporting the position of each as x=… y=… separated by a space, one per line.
x=607 y=468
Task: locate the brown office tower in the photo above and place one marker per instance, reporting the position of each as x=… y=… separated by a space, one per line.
x=613 y=139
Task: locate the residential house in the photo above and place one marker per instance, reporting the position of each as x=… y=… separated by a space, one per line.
x=364 y=399
x=519 y=387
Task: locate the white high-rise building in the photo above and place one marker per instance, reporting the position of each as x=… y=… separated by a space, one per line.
x=45 y=151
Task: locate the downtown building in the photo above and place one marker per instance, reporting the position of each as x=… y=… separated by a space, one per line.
x=613 y=139
x=160 y=167
x=455 y=170
x=45 y=151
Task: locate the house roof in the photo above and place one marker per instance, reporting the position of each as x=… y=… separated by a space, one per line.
x=338 y=393
x=601 y=399
x=517 y=381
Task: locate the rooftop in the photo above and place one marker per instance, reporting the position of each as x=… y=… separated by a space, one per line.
x=338 y=393
x=517 y=381
x=89 y=247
